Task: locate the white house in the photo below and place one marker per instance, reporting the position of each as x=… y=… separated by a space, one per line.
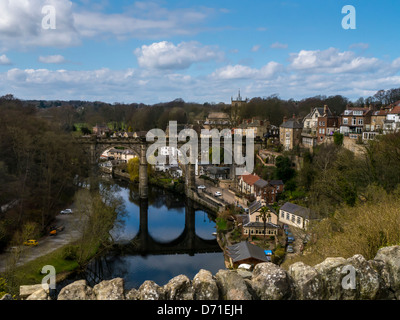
x=295 y=215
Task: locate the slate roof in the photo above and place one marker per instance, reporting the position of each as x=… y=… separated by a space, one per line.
x=260 y=224
x=261 y=183
x=276 y=182
x=257 y=205
x=245 y=250
x=298 y=210
x=291 y=124
x=253 y=207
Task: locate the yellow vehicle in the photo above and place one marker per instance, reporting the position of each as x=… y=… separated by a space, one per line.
x=31 y=243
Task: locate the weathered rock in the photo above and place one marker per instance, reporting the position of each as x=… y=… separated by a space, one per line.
x=306 y=281
x=391 y=258
x=150 y=290
x=26 y=291
x=6 y=297
x=179 y=288
x=245 y=274
x=204 y=286
x=78 y=290
x=368 y=282
x=232 y=286
x=110 y=290
x=39 y=295
x=331 y=275
x=270 y=282
x=132 y=294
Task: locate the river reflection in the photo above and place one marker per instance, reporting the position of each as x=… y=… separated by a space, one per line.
x=161 y=238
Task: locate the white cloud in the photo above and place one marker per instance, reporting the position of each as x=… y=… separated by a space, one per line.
x=255 y=48
x=332 y=61
x=21 y=22
x=244 y=72
x=306 y=74
x=55 y=59
x=278 y=45
x=4 y=60
x=166 y=55
x=142 y=20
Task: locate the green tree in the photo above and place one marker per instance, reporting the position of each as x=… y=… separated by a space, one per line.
x=338 y=138
x=284 y=169
x=133 y=169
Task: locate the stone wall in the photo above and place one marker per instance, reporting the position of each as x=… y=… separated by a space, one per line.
x=375 y=279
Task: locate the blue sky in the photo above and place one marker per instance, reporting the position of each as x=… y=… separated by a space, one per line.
x=201 y=51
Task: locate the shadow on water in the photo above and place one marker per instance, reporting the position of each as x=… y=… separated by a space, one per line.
x=163 y=237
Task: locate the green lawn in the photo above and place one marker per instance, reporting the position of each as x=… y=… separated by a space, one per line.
x=30 y=273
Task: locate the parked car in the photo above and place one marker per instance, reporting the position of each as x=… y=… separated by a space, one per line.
x=201 y=187
x=66 y=211
x=31 y=243
x=290 y=249
x=217 y=194
x=290 y=239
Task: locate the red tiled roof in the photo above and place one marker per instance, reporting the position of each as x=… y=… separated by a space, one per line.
x=396 y=110
x=250 y=179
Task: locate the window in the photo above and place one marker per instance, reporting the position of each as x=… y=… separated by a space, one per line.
x=282 y=215
x=360 y=121
x=354 y=121
x=298 y=220
x=287 y=216
x=293 y=217
x=345 y=121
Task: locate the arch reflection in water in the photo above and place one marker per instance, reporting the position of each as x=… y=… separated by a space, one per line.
x=144 y=254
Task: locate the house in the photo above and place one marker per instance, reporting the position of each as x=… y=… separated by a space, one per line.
x=259 y=127
x=254 y=226
x=295 y=215
x=290 y=133
x=100 y=130
x=115 y=154
x=378 y=119
x=175 y=172
x=278 y=185
x=245 y=252
x=246 y=183
x=263 y=190
x=128 y=135
x=214 y=172
x=353 y=121
x=272 y=133
x=217 y=120
x=392 y=122
x=310 y=125
x=128 y=155
x=139 y=134
x=327 y=125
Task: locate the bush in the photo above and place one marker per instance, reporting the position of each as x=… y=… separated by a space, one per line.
x=70 y=253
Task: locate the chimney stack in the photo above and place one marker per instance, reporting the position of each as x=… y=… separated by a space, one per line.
x=284 y=119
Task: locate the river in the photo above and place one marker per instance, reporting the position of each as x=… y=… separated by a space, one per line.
x=163 y=237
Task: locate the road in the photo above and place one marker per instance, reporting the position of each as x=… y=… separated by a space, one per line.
x=47 y=244
x=226 y=195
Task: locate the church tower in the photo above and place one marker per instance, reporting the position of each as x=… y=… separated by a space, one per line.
x=238 y=102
